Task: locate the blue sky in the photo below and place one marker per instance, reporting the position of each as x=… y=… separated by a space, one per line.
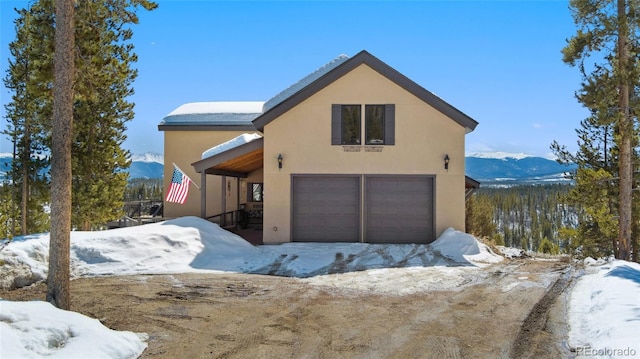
x=497 y=61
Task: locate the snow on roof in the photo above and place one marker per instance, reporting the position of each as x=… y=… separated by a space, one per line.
x=218 y=107
x=288 y=92
x=235 y=113
x=232 y=143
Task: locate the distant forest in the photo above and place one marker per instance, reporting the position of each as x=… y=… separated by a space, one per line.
x=143 y=189
x=524 y=216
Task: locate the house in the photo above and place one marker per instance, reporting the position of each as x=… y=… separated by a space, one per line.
x=354 y=152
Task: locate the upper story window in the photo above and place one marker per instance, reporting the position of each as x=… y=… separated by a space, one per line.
x=347 y=125
x=374 y=124
x=351 y=119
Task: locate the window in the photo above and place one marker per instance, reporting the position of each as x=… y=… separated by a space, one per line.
x=255 y=192
x=374 y=124
x=351 y=124
x=379 y=125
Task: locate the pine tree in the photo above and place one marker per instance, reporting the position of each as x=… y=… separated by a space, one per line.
x=479 y=216
x=609 y=90
x=28 y=170
x=103 y=80
x=58 y=278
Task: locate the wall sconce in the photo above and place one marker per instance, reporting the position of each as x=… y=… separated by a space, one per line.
x=446 y=162
x=280 y=161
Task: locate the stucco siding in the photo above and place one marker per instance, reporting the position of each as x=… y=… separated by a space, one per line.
x=184 y=148
x=423 y=136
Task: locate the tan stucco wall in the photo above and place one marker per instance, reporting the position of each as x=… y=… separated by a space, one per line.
x=184 y=148
x=303 y=137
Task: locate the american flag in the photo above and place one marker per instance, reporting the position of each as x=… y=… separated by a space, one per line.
x=179 y=188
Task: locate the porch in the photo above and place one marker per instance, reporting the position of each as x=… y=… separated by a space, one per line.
x=244 y=163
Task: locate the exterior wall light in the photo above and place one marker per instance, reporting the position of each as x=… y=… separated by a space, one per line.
x=446 y=162
x=280 y=161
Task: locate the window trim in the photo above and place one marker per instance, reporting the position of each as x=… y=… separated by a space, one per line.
x=367 y=141
x=389 y=124
x=250 y=192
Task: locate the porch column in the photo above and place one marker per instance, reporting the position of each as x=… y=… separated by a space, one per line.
x=237 y=193
x=203 y=194
x=223 y=218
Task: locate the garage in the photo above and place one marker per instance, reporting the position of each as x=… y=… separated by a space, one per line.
x=326 y=208
x=397 y=208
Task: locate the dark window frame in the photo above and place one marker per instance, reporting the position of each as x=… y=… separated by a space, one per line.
x=337 y=127
x=356 y=138
x=251 y=191
x=368 y=125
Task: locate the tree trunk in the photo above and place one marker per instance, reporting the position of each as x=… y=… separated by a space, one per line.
x=626 y=137
x=58 y=280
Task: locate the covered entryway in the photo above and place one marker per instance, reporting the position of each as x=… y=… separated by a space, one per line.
x=326 y=208
x=369 y=208
x=399 y=209
x=238 y=158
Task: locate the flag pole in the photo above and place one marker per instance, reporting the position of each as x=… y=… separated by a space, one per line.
x=184 y=174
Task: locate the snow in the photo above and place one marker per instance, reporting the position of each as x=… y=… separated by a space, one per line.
x=40 y=330
x=218 y=107
x=6 y=155
x=498 y=155
x=232 y=143
x=148 y=157
x=604 y=310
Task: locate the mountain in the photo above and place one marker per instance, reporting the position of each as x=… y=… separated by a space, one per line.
x=5 y=164
x=148 y=165
x=508 y=169
x=490 y=168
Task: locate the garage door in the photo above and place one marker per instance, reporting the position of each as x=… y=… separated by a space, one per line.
x=399 y=209
x=326 y=208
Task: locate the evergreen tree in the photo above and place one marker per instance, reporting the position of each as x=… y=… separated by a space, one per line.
x=479 y=216
x=28 y=170
x=609 y=90
x=103 y=80
x=58 y=292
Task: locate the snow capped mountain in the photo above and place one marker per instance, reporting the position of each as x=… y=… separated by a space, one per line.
x=498 y=155
x=487 y=167
x=147 y=165
x=148 y=157
x=508 y=168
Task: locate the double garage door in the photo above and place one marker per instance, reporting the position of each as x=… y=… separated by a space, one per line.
x=378 y=209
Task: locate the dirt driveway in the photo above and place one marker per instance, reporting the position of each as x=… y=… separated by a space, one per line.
x=254 y=316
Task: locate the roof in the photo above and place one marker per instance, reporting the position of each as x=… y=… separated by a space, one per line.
x=236 y=161
x=329 y=73
x=231 y=144
x=236 y=115
x=289 y=91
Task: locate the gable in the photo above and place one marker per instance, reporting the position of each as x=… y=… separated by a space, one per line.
x=385 y=70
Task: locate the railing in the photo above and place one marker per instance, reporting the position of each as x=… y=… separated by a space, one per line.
x=227 y=219
x=237 y=218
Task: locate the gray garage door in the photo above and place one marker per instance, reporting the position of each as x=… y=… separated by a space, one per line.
x=326 y=208
x=399 y=209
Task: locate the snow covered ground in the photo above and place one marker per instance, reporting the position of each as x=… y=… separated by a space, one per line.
x=608 y=290
x=604 y=310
